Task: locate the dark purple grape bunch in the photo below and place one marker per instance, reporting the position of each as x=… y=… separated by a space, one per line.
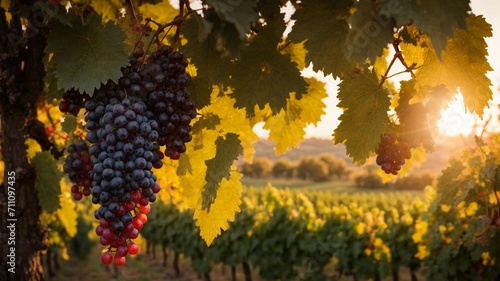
x=123 y=134
x=72 y=101
x=392 y=153
x=78 y=166
x=161 y=80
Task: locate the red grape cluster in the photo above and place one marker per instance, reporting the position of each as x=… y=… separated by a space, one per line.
x=392 y=153
x=78 y=166
x=134 y=214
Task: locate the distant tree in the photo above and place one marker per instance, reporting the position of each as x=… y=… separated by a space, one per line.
x=281 y=168
x=246 y=169
x=336 y=167
x=312 y=168
x=369 y=180
x=261 y=167
x=414 y=181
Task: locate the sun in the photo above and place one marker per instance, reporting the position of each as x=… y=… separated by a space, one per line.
x=456 y=119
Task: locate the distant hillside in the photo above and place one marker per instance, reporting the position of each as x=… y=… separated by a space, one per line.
x=446 y=147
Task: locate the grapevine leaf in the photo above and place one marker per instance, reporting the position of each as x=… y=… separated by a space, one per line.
x=199 y=90
x=403 y=12
x=84 y=56
x=365 y=117
x=69 y=124
x=380 y=64
x=109 y=10
x=287 y=127
x=314 y=19
x=453 y=181
x=227 y=151
x=47 y=181
x=222 y=211
x=287 y=132
x=439 y=19
x=232 y=120
x=208 y=121
x=413 y=118
x=297 y=53
x=240 y=13
x=316 y=92
x=52 y=92
x=67 y=213
x=264 y=75
x=184 y=165
x=51 y=11
x=161 y=12
x=468 y=48
x=205 y=52
x=370 y=33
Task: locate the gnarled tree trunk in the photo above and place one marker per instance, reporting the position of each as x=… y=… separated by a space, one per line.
x=21 y=85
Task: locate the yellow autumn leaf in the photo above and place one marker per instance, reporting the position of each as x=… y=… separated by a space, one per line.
x=194 y=179
x=285 y=132
x=222 y=211
x=67 y=213
x=232 y=120
x=297 y=53
x=287 y=127
x=5 y=5
x=162 y=12
x=109 y=10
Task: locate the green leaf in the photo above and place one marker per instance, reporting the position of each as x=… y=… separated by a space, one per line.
x=413 y=118
x=47 y=181
x=205 y=52
x=264 y=75
x=370 y=33
x=53 y=94
x=439 y=19
x=84 y=56
x=454 y=181
x=365 y=117
x=240 y=13
x=219 y=167
x=403 y=12
x=69 y=124
x=464 y=65
x=200 y=89
x=314 y=19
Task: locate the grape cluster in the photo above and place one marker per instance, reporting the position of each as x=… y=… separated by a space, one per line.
x=392 y=153
x=78 y=166
x=128 y=124
x=72 y=101
x=123 y=134
x=161 y=82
